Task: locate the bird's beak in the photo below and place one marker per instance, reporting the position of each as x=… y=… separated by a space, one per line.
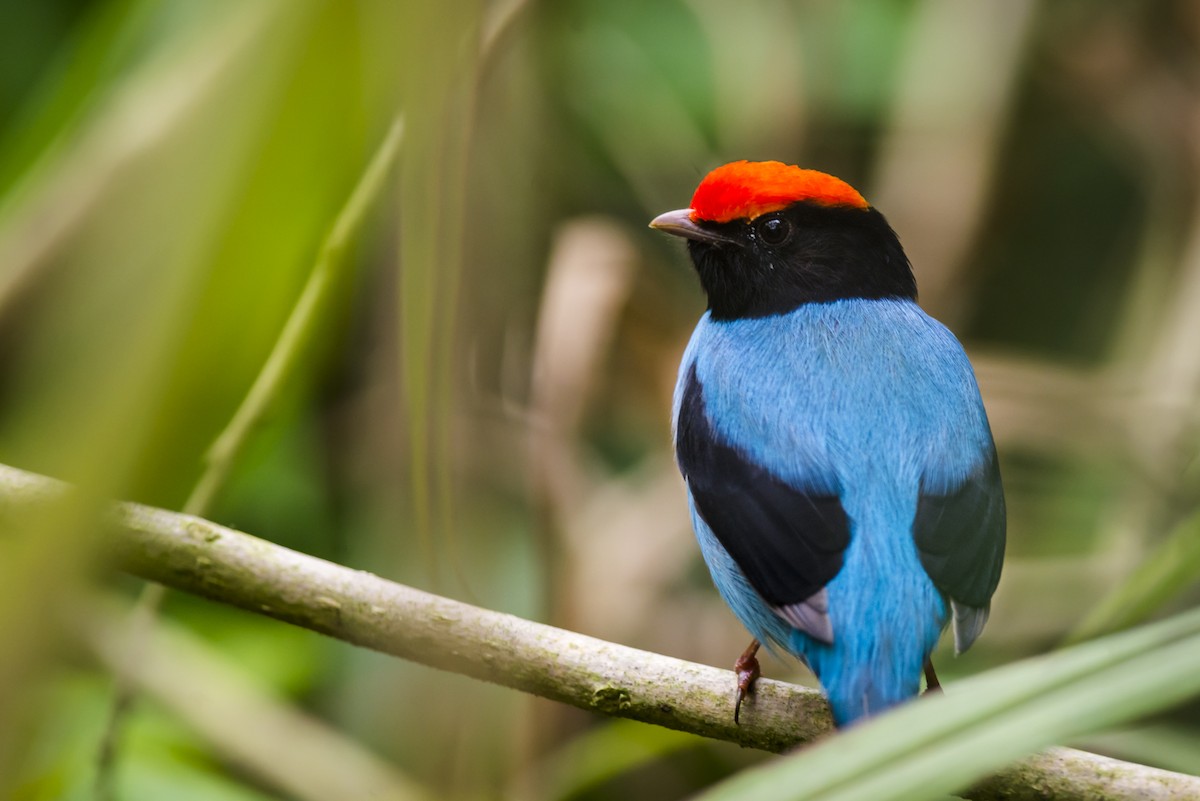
x=680 y=223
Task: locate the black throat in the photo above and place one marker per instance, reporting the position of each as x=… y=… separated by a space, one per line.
x=829 y=253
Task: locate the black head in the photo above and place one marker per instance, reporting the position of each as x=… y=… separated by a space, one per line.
x=813 y=250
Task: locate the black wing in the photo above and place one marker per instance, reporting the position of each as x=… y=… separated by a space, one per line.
x=787 y=541
x=960 y=536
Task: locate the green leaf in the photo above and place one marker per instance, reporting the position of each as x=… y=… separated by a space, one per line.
x=941 y=744
x=608 y=751
x=1164 y=745
x=1170 y=568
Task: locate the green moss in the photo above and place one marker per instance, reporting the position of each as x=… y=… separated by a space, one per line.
x=611 y=700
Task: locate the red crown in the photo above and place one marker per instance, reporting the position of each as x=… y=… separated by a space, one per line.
x=746 y=189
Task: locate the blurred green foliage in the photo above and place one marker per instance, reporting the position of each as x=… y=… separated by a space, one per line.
x=482 y=408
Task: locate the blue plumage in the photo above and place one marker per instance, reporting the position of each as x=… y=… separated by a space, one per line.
x=841 y=474
x=871 y=400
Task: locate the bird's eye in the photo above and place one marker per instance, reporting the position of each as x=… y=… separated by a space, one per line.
x=774 y=231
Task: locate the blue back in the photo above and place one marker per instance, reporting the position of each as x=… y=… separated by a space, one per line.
x=875 y=402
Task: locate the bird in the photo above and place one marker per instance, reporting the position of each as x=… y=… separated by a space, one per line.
x=841 y=474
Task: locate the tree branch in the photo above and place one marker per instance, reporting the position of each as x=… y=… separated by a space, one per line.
x=203 y=558
x=200 y=557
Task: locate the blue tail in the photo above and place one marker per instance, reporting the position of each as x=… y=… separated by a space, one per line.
x=887 y=617
x=863 y=694
x=871 y=673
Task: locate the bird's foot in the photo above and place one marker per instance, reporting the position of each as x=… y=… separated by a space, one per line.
x=932 y=685
x=748 y=671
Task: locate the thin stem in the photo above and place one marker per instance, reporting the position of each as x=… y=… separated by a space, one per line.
x=222 y=455
x=298 y=330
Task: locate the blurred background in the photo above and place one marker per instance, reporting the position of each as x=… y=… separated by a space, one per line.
x=481 y=396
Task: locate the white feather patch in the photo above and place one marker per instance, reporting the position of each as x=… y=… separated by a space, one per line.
x=968 y=623
x=810 y=616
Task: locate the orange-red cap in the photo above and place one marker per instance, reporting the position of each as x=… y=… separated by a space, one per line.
x=746 y=189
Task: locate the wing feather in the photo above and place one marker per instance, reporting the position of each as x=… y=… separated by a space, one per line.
x=788 y=541
x=960 y=536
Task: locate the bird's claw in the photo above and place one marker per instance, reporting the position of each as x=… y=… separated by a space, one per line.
x=747 y=669
x=932 y=685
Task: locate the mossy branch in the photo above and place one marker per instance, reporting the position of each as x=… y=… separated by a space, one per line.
x=205 y=559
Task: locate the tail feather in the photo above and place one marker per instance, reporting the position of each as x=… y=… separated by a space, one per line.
x=968 y=623
x=865 y=694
